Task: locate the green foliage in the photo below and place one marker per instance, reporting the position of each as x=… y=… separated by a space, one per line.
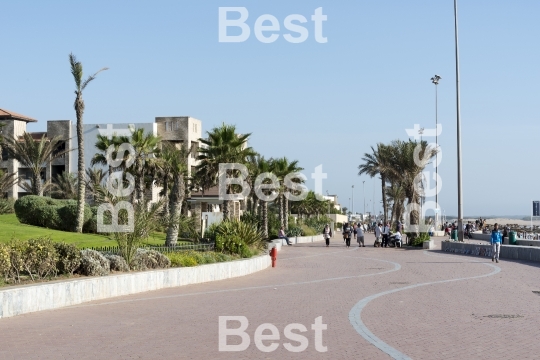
x=249 y=218
x=339 y=225
x=69 y=258
x=194 y=258
x=212 y=231
x=93 y=263
x=50 y=213
x=230 y=244
x=308 y=231
x=40 y=258
x=7 y=206
x=5 y=262
x=295 y=231
x=417 y=239
x=317 y=224
x=246 y=233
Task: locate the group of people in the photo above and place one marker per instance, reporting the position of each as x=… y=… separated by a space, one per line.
x=357 y=231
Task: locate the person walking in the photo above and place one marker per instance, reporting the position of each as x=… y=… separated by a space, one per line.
x=496 y=242
x=386 y=234
x=327 y=234
x=347 y=230
x=282 y=235
x=360 y=235
x=378 y=231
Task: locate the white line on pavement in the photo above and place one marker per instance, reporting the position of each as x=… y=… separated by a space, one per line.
x=355 y=315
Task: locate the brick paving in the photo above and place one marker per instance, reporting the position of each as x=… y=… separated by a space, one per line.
x=494 y=317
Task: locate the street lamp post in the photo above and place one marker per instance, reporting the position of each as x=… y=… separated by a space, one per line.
x=421 y=132
x=435 y=80
x=352 y=191
x=458 y=121
x=364 y=192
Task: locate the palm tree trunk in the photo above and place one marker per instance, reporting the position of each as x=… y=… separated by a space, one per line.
x=280 y=204
x=286 y=211
x=264 y=217
x=140 y=182
x=177 y=198
x=79 y=110
x=226 y=204
x=36 y=184
x=385 y=205
x=166 y=197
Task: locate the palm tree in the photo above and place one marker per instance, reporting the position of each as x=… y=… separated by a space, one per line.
x=223 y=146
x=33 y=154
x=282 y=167
x=145 y=145
x=178 y=168
x=378 y=163
x=7 y=180
x=102 y=145
x=80 y=85
x=65 y=186
x=263 y=166
x=94 y=180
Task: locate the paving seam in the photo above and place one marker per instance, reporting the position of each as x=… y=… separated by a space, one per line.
x=355 y=315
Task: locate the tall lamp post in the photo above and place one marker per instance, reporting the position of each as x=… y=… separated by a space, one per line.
x=435 y=80
x=458 y=121
x=352 y=191
x=421 y=132
x=364 y=192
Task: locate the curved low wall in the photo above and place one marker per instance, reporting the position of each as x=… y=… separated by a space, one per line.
x=303 y=239
x=47 y=296
x=516 y=252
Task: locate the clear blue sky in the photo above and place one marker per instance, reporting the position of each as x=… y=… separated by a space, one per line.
x=317 y=103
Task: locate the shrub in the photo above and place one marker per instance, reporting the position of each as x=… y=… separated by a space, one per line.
x=117 y=263
x=5 y=262
x=93 y=263
x=295 y=231
x=28 y=209
x=246 y=233
x=50 y=217
x=229 y=244
x=212 y=231
x=149 y=259
x=68 y=214
x=417 y=239
x=317 y=224
x=7 y=206
x=16 y=250
x=193 y=258
x=309 y=231
x=40 y=257
x=69 y=258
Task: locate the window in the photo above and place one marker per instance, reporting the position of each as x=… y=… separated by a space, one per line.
x=5 y=155
x=167 y=126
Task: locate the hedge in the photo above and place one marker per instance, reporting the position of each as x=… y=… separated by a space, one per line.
x=52 y=213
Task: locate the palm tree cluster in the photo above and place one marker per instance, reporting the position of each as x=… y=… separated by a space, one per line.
x=399 y=166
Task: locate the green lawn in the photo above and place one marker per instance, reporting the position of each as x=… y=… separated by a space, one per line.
x=11 y=228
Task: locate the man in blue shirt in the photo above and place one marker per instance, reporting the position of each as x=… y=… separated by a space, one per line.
x=496 y=242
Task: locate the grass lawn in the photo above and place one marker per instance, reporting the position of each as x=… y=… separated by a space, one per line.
x=11 y=228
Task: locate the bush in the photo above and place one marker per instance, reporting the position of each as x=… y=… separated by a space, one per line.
x=295 y=231
x=93 y=263
x=149 y=259
x=212 y=231
x=51 y=213
x=193 y=258
x=309 y=231
x=40 y=257
x=416 y=239
x=5 y=262
x=69 y=258
x=246 y=233
x=117 y=263
x=7 y=206
x=317 y=224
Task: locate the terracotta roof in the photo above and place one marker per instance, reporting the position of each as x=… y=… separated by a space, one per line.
x=10 y=115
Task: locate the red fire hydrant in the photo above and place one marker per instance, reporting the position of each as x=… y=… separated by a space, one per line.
x=273 y=255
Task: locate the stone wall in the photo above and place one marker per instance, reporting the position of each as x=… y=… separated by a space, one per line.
x=515 y=252
x=47 y=296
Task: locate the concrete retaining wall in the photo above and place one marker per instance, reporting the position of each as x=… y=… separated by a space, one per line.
x=516 y=252
x=31 y=298
x=303 y=239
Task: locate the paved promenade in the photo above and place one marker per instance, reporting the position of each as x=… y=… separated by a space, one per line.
x=377 y=303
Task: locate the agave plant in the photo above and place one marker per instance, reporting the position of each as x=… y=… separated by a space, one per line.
x=246 y=232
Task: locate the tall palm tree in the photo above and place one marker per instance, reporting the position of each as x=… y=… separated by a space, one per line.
x=80 y=85
x=223 y=146
x=102 y=145
x=283 y=167
x=178 y=168
x=378 y=163
x=33 y=154
x=264 y=166
x=146 y=146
